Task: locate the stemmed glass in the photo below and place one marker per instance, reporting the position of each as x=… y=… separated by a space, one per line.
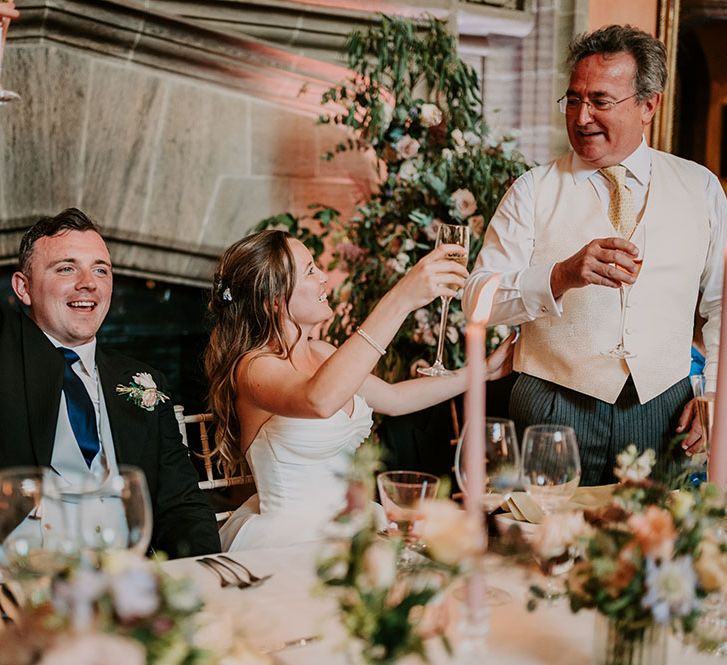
x=401 y=494
x=447 y=234
x=704 y=405
x=639 y=239
x=502 y=472
x=551 y=471
x=116 y=515
x=6 y=96
x=35 y=541
x=551 y=465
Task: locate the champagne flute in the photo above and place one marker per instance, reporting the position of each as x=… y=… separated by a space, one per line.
x=35 y=542
x=401 y=494
x=704 y=405
x=639 y=239
x=448 y=234
x=502 y=472
x=6 y=96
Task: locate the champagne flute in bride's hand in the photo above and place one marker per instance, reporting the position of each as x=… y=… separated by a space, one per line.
x=448 y=234
x=6 y=96
x=639 y=239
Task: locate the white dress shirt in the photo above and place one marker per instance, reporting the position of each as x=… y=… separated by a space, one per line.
x=524 y=293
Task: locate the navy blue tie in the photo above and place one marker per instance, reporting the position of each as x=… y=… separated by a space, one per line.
x=80 y=409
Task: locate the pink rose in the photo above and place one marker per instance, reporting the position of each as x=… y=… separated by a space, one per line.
x=464 y=203
x=654 y=531
x=149 y=398
x=406 y=147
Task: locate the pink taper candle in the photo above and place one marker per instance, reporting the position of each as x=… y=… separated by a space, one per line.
x=718 y=441
x=474 y=414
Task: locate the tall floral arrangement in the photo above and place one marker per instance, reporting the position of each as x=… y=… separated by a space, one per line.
x=415 y=106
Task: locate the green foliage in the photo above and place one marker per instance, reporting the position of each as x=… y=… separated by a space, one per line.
x=414 y=106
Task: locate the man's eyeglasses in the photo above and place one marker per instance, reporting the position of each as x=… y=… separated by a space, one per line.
x=570 y=103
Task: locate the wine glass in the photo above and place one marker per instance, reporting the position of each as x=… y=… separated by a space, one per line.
x=551 y=471
x=502 y=472
x=639 y=239
x=551 y=465
x=35 y=542
x=448 y=234
x=116 y=515
x=401 y=494
x=6 y=96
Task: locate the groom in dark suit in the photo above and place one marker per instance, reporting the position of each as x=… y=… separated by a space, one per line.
x=59 y=404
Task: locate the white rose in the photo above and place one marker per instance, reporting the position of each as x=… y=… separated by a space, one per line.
x=502 y=331
x=406 y=147
x=449 y=533
x=135 y=594
x=379 y=566
x=387 y=113
x=408 y=245
x=430 y=115
x=408 y=170
x=470 y=138
x=452 y=334
x=458 y=137
x=464 y=203
x=144 y=380
x=447 y=154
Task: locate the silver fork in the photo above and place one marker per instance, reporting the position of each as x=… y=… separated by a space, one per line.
x=218 y=567
x=255 y=580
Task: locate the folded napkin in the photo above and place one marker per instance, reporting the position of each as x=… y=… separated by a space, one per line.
x=525 y=509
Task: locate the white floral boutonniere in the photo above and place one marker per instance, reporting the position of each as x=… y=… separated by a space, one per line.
x=143 y=391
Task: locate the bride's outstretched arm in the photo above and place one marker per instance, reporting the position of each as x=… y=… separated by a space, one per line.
x=277 y=387
x=395 y=399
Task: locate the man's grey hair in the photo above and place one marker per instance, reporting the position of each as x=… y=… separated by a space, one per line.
x=648 y=52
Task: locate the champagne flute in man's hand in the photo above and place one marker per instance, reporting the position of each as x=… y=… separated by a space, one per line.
x=639 y=239
x=448 y=234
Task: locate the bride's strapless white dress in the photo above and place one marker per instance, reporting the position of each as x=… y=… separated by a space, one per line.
x=299 y=466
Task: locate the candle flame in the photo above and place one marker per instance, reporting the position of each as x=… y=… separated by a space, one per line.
x=485 y=300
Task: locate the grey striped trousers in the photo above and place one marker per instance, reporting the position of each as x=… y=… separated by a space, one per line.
x=604 y=430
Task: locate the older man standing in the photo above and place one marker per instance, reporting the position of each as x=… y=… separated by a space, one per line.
x=59 y=403
x=560 y=239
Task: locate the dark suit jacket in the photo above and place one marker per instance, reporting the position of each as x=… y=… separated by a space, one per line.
x=31 y=381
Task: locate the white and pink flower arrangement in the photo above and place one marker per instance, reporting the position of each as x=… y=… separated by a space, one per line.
x=389 y=610
x=649 y=558
x=125 y=611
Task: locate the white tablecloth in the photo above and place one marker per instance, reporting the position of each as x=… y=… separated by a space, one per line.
x=283 y=608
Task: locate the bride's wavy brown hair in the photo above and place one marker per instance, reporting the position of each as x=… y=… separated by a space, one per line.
x=249 y=305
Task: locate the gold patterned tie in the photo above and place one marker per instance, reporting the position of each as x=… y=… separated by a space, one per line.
x=621 y=207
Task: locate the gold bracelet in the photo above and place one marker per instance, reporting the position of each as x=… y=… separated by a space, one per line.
x=374 y=344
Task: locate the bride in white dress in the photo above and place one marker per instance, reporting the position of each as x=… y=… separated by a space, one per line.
x=296 y=407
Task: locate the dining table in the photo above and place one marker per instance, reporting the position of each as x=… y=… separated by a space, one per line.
x=290 y=605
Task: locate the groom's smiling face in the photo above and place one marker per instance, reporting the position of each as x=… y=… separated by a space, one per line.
x=68 y=286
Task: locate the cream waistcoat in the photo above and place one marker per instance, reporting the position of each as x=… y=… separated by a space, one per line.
x=567 y=350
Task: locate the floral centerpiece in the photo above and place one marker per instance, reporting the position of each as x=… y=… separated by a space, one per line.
x=645 y=561
x=392 y=611
x=126 y=611
x=414 y=107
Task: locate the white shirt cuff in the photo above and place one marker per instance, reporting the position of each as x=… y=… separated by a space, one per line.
x=536 y=294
